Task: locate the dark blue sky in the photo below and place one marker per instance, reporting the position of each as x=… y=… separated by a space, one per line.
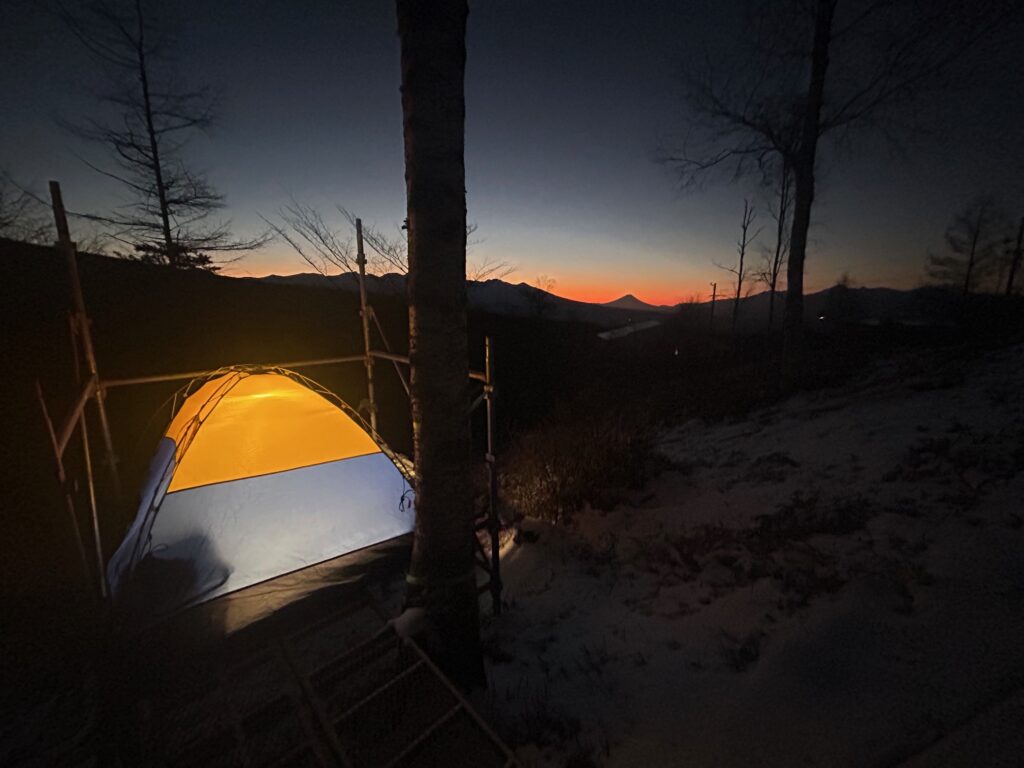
x=567 y=103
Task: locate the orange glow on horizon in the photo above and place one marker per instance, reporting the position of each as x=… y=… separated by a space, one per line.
x=661 y=293
x=588 y=289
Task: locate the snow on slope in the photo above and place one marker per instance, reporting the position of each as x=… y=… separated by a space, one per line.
x=835 y=581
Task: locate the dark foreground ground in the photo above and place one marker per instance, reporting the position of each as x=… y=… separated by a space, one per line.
x=832 y=580
x=557 y=383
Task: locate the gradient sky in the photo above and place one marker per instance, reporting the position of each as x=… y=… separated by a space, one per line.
x=567 y=103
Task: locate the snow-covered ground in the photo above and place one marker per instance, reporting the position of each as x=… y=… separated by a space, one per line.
x=837 y=580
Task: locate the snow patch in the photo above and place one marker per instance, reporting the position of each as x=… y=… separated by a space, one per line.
x=835 y=580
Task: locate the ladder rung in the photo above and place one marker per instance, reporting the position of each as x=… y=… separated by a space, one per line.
x=378 y=691
x=425 y=735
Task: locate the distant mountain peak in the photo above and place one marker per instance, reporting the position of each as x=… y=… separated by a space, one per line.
x=631 y=302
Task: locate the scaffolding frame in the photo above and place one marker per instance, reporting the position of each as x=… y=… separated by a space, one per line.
x=94 y=388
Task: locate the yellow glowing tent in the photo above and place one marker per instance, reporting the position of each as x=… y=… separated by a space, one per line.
x=259 y=474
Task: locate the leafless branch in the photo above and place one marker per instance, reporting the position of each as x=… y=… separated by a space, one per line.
x=169 y=219
x=487 y=269
x=22 y=216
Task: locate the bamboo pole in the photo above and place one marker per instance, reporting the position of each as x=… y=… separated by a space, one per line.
x=492 y=480
x=68 y=429
x=387 y=347
x=90 y=484
x=365 y=316
x=474 y=375
x=189 y=375
x=390 y=356
x=65 y=244
x=96 y=536
x=63 y=481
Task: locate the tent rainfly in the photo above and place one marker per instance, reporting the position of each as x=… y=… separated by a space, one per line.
x=258 y=475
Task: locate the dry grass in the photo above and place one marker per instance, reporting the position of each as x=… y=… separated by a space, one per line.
x=555 y=469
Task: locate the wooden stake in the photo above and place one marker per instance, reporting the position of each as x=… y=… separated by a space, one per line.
x=364 y=314
x=65 y=244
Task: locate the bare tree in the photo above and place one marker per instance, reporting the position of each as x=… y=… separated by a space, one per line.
x=538 y=295
x=740 y=271
x=818 y=69
x=841 y=304
x=22 y=216
x=390 y=252
x=441 y=573
x=328 y=251
x=489 y=269
x=774 y=259
x=1015 y=258
x=972 y=242
x=167 y=221
x=714 y=299
x=322 y=247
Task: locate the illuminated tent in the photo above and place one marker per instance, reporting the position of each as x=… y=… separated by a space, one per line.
x=258 y=475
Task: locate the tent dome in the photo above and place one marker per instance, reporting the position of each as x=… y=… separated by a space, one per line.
x=258 y=474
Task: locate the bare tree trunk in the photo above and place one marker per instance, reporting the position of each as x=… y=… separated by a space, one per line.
x=736 y=298
x=741 y=248
x=780 y=238
x=736 y=307
x=1015 y=263
x=972 y=255
x=441 y=574
x=803 y=177
x=154 y=148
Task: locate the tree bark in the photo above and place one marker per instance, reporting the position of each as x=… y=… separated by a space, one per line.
x=803 y=194
x=441 y=574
